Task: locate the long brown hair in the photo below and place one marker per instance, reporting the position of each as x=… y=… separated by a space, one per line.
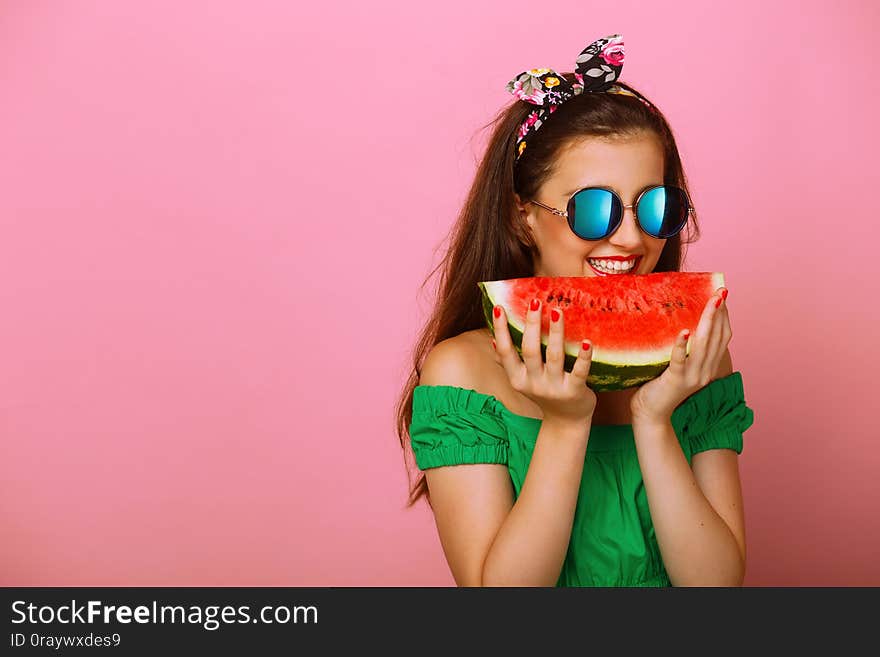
x=489 y=241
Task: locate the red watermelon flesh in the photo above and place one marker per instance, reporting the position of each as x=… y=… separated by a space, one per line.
x=632 y=320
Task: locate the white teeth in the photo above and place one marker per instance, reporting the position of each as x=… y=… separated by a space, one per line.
x=611 y=266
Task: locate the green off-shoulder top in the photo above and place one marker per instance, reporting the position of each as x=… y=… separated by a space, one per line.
x=612 y=540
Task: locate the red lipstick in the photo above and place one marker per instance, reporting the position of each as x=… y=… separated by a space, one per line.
x=621 y=258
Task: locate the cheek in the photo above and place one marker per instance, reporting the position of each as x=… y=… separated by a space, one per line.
x=653 y=251
x=563 y=240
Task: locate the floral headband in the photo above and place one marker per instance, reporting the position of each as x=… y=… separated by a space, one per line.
x=599 y=64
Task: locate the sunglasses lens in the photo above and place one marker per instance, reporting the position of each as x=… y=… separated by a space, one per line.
x=594 y=213
x=663 y=211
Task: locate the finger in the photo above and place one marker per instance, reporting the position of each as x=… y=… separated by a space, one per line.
x=714 y=345
x=504 y=345
x=553 y=371
x=531 y=343
x=728 y=329
x=678 y=358
x=700 y=339
x=724 y=335
x=581 y=368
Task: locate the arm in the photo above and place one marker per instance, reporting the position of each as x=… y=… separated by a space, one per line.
x=530 y=546
x=488 y=539
x=697 y=515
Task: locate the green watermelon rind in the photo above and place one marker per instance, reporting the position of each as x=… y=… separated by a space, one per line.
x=603 y=376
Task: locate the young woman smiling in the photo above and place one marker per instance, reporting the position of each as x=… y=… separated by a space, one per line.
x=532 y=477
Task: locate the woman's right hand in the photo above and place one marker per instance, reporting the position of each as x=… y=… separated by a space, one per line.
x=561 y=395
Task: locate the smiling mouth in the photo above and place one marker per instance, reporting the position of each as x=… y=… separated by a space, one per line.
x=609 y=272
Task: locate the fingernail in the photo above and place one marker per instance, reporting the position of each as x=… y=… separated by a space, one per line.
x=554 y=315
x=718 y=303
x=585 y=345
x=493 y=345
x=535 y=304
x=497 y=312
x=687 y=334
x=724 y=294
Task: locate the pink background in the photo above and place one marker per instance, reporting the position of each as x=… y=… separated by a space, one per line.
x=215 y=218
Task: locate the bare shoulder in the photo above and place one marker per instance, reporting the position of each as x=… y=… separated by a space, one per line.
x=469 y=361
x=464 y=361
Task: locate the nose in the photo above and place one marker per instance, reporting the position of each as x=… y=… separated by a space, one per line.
x=628 y=235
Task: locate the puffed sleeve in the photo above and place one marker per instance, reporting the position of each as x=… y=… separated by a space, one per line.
x=717 y=415
x=452 y=426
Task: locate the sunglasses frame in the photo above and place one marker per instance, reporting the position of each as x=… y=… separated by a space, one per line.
x=616 y=224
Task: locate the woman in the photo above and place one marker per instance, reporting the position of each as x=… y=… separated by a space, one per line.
x=533 y=478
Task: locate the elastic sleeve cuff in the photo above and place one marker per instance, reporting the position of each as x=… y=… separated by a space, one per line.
x=718 y=439
x=461 y=454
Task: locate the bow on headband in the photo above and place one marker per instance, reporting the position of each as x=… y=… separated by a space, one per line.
x=598 y=65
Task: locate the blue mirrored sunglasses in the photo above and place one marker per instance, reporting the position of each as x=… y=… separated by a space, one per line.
x=594 y=213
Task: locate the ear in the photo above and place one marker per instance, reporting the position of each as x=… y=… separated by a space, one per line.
x=526 y=216
x=524 y=224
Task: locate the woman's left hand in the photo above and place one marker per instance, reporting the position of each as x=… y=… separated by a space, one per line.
x=687 y=372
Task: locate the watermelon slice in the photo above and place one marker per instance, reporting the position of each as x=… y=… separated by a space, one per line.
x=631 y=320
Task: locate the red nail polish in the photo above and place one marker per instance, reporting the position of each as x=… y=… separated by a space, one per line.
x=687 y=334
x=585 y=345
x=493 y=345
x=718 y=303
x=497 y=312
x=724 y=294
x=535 y=304
x=554 y=315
